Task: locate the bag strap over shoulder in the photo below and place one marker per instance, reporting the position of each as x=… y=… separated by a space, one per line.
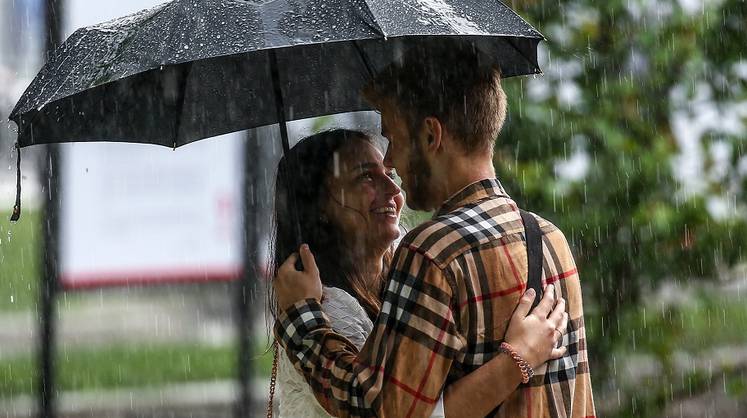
x=273 y=379
x=535 y=258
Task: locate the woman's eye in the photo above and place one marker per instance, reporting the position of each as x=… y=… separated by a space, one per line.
x=391 y=175
x=365 y=177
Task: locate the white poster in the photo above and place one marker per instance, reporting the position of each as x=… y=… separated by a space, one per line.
x=133 y=214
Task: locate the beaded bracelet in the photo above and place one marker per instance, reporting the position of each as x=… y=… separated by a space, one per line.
x=526 y=370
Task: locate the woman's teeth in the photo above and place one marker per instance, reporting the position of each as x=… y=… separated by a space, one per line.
x=385 y=210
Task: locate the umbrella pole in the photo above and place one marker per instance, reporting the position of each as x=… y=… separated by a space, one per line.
x=279 y=103
x=280 y=109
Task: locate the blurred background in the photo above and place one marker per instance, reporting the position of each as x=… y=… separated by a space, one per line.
x=632 y=142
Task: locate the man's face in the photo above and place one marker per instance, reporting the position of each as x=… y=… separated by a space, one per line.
x=406 y=156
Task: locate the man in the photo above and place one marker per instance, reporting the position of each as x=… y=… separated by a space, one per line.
x=455 y=280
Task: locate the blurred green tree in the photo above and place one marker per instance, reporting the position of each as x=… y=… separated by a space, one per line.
x=632 y=142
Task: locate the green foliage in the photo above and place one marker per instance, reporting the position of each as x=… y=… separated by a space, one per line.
x=617 y=73
x=702 y=324
x=736 y=385
x=131 y=366
x=692 y=327
x=412 y=218
x=19 y=261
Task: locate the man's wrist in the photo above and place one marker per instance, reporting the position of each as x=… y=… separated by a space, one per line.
x=526 y=353
x=527 y=371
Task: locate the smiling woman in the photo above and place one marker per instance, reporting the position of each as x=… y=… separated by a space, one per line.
x=348 y=211
x=349 y=208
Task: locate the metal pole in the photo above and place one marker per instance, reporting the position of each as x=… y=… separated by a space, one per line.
x=248 y=282
x=54 y=12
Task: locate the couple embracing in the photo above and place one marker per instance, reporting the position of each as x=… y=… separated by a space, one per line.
x=442 y=323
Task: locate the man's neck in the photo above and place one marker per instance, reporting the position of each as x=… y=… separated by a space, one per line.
x=464 y=172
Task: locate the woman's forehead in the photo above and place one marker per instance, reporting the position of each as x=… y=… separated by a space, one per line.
x=359 y=153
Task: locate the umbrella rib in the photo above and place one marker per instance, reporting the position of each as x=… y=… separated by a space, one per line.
x=180 y=103
x=363 y=58
x=373 y=23
x=511 y=42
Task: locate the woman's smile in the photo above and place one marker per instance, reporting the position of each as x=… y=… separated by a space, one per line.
x=365 y=201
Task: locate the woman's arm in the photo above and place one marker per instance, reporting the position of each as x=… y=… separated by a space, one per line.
x=533 y=336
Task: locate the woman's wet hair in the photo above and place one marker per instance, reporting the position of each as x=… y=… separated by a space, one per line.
x=302 y=182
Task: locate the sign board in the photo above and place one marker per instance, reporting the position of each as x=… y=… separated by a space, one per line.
x=136 y=214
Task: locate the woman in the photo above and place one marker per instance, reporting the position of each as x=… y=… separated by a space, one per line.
x=348 y=213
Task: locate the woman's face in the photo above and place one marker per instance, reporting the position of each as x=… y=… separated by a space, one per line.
x=364 y=201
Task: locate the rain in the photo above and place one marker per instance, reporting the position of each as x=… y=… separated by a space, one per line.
x=148 y=139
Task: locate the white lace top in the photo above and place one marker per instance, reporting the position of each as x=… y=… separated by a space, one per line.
x=349 y=319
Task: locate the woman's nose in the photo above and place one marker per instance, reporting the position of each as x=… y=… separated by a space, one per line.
x=390 y=187
x=388 y=157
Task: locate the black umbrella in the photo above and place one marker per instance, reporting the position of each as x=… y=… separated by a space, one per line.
x=192 y=69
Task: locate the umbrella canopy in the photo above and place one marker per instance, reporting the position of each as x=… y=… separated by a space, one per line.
x=191 y=69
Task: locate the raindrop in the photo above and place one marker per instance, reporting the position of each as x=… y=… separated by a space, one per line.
x=12 y=299
x=10 y=236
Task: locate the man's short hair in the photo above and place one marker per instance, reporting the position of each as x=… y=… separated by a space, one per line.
x=448 y=79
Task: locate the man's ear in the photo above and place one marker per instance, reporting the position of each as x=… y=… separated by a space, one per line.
x=433 y=134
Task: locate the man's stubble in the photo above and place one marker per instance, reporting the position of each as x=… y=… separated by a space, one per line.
x=419 y=176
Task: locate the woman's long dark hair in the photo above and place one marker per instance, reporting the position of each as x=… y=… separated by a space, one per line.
x=308 y=166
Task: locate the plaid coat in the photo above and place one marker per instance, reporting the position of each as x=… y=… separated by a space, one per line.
x=452 y=288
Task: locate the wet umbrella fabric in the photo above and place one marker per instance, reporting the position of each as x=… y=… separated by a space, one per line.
x=192 y=69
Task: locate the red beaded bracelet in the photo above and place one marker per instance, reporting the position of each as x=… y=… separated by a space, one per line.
x=526 y=370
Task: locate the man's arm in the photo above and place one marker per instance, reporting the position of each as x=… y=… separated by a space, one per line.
x=533 y=335
x=401 y=370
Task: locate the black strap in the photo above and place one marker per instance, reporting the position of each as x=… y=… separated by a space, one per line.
x=534 y=254
x=17 y=207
